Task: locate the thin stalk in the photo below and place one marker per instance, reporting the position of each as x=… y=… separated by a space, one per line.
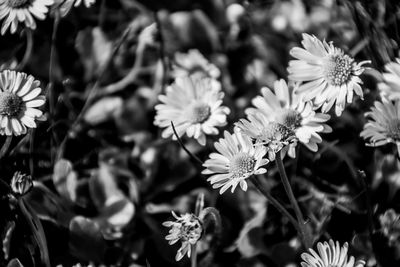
x=288 y=188
x=275 y=203
x=5 y=146
x=198 y=210
x=28 y=49
x=193 y=256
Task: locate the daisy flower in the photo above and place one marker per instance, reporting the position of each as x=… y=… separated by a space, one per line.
x=390 y=87
x=19 y=101
x=326 y=74
x=283 y=108
x=14 y=11
x=186 y=228
x=237 y=160
x=21 y=183
x=194 y=63
x=330 y=255
x=273 y=135
x=383 y=126
x=194 y=106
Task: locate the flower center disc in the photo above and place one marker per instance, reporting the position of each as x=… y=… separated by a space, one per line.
x=337 y=69
x=394 y=129
x=199 y=112
x=242 y=165
x=10 y=104
x=289 y=118
x=276 y=132
x=18 y=3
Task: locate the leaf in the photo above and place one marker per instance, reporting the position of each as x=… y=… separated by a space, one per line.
x=85 y=239
x=103 y=110
x=7 y=239
x=65 y=179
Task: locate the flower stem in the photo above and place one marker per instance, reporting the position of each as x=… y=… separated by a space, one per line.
x=207 y=216
x=28 y=49
x=5 y=146
x=275 y=202
x=305 y=236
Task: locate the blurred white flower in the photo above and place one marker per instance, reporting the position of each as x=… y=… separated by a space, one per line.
x=194 y=106
x=237 y=160
x=87 y=3
x=383 y=126
x=194 y=63
x=330 y=255
x=283 y=107
x=21 y=183
x=14 y=11
x=19 y=101
x=273 y=135
x=390 y=225
x=186 y=228
x=327 y=75
x=390 y=87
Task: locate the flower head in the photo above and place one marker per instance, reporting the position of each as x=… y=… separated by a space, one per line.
x=14 y=11
x=19 y=99
x=273 y=135
x=194 y=63
x=21 y=183
x=326 y=74
x=186 y=228
x=383 y=126
x=390 y=87
x=330 y=255
x=283 y=108
x=390 y=223
x=237 y=160
x=194 y=106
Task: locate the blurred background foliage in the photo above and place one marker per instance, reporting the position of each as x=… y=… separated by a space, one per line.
x=104 y=178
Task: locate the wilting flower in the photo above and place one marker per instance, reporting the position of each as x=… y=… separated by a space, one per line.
x=186 y=228
x=237 y=160
x=21 y=183
x=194 y=63
x=19 y=101
x=327 y=74
x=194 y=106
x=390 y=223
x=273 y=135
x=298 y=116
x=390 y=87
x=383 y=126
x=330 y=255
x=14 y=11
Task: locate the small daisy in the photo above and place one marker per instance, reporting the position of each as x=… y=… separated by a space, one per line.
x=194 y=63
x=326 y=74
x=19 y=101
x=237 y=160
x=188 y=229
x=21 y=183
x=390 y=87
x=14 y=11
x=273 y=135
x=330 y=255
x=194 y=106
x=383 y=126
x=283 y=107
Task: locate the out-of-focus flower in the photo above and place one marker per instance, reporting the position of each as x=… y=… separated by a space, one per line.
x=194 y=63
x=330 y=255
x=273 y=135
x=87 y=3
x=390 y=87
x=327 y=74
x=14 y=11
x=19 y=101
x=194 y=106
x=283 y=108
x=21 y=183
x=390 y=223
x=186 y=228
x=237 y=160
x=383 y=127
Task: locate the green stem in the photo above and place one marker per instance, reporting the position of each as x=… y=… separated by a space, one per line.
x=305 y=236
x=6 y=145
x=28 y=49
x=207 y=216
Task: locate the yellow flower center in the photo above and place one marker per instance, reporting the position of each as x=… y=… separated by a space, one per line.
x=199 y=112
x=10 y=104
x=337 y=69
x=18 y=3
x=393 y=129
x=242 y=165
x=289 y=118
